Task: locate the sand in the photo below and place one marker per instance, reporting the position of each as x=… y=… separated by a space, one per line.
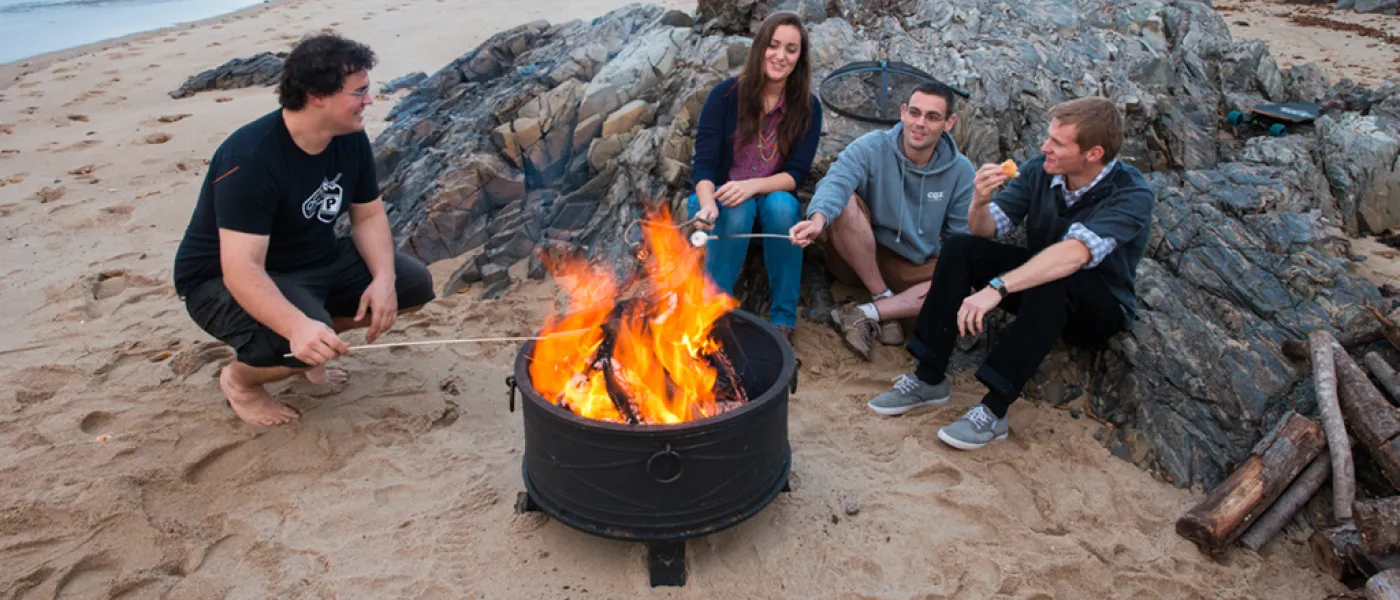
x=125 y=476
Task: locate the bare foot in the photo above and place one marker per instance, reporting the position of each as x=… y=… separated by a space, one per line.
x=321 y=375
x=254 y=405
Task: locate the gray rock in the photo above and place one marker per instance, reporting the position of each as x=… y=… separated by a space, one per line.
x=261 y=69
x=1377 y=6
x=1344 y=5
x=1248 y=244
x=407 y=82
x=1359 y=158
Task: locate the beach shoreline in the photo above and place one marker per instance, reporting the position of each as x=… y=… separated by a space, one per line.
x=11 y=72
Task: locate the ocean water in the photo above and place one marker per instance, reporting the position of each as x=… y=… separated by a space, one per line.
x=30 y=27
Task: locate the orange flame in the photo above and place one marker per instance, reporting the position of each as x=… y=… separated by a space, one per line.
x=663 y=338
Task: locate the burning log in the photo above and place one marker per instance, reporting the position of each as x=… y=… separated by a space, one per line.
x=734 y=385
x=617 y=390
x=1374 y=421
x=1287 y=505
x=1229 y=509
x=1378 y=522
x=1384 y=586
x=1384 y=373
x=1324 y=362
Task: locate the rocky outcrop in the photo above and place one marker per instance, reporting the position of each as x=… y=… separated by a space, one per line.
x=406 y=82
x=556 y=138
x=261 y=69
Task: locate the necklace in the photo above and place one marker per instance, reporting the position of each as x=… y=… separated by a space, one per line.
x=768 y=145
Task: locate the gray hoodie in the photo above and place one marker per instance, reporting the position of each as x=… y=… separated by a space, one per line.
x=911 y=207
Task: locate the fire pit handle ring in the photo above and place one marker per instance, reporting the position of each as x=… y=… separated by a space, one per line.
x=510 y=382
x=653 y=466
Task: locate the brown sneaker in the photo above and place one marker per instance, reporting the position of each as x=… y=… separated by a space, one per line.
x=891 y=333
x=858 y=330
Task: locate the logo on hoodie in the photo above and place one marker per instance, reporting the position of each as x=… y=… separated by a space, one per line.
x=935 y=196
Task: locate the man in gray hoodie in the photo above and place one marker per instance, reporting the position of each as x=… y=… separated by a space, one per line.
x=890 y=198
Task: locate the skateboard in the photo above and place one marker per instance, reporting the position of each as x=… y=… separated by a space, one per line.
x=1276 y=117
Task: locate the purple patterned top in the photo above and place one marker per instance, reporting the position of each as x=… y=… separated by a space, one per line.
x=760 y=158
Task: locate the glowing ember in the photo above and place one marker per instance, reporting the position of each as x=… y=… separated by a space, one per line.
x=658 y=362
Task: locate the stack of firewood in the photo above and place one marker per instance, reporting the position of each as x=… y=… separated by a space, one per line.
x=1361 y=547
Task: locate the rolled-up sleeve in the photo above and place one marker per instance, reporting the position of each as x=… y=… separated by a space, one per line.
x=1099 y=247
x=1003 y=222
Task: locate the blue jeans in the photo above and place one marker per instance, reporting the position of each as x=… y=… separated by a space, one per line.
x=776 y=213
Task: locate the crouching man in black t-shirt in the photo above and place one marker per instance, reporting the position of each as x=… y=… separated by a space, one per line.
x=260 y=267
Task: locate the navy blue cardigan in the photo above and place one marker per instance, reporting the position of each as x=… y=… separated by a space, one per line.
x=714 y=138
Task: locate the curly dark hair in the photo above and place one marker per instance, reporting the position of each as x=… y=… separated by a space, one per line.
x=318 y=66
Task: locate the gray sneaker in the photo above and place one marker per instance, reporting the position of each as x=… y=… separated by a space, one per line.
x=908 y=394
x=977 y=428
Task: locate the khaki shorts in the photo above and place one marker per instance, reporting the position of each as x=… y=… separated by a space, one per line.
x=897 y=271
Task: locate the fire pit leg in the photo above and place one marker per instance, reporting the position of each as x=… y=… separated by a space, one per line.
x=525 y=504
x=667 y=563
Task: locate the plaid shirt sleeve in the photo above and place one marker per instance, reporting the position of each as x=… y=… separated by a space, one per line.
x=1099 y=247
x=1003 y=222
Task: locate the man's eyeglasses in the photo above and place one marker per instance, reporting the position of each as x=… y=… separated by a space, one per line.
x=361 y=92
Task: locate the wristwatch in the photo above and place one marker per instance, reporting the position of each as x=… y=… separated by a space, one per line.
x=1000 y=286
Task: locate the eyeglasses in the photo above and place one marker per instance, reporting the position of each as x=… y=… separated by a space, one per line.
x=361 y=92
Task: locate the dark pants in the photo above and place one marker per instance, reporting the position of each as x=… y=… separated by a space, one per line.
x=321 y=293
x=1080 y=308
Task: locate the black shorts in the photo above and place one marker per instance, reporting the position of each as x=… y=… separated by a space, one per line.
x=321 y=293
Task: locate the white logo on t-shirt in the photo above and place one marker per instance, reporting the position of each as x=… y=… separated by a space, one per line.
x=325 y=202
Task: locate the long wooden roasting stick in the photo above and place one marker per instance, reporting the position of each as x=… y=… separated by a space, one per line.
x=460 y=341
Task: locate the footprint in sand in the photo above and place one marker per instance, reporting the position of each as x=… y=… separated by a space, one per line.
x=157 y=138
x=28 y=84
x=1021 y=501
x=37 y=384
x=174 y=118
x=82 y=145
x=29 y=110
x=113 y=282
x=95 y=422
x=79 y=118
x=938 y=477
x=189 y=361
x=7 y=128
x=90 y=577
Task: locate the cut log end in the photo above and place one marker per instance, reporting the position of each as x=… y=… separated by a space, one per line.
x=1378 y=522
x=1384 y=586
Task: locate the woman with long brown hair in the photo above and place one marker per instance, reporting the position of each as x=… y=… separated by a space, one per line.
x=754 y=146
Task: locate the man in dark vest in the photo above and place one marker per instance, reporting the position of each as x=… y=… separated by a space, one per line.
x=260 y=267
x=1087 y=218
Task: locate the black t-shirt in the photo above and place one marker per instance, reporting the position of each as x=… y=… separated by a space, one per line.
x=261 y=182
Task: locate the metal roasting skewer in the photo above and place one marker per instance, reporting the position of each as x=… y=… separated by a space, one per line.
x=700 y=238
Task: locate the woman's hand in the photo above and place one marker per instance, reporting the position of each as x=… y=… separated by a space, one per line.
x=735 y=193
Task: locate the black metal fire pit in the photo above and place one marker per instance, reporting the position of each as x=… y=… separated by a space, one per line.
x=663 y=484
